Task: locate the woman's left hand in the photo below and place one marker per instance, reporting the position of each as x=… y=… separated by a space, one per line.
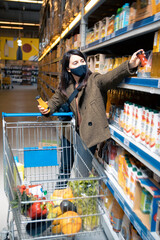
x=135 y=61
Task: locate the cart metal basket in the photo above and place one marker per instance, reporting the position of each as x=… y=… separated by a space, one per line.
x=50 y=166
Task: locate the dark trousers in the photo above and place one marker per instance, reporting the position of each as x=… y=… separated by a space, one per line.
x=67 y=159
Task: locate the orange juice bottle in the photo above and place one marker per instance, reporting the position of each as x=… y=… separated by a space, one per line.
x=42 y=103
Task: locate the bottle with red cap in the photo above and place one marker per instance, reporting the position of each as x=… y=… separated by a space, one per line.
x=142 y=57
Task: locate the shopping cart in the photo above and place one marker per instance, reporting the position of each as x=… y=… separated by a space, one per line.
x=7 y=82
x=40 y=148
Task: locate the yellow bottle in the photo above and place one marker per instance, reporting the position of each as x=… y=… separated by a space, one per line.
x=42 y=103
x=20 y=168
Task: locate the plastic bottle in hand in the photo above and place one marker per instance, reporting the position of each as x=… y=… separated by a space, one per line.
x=42 y=103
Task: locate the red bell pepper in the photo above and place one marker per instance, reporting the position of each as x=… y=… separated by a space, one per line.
x=37 y=210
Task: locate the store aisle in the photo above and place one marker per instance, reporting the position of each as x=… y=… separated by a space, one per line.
x=19 y=99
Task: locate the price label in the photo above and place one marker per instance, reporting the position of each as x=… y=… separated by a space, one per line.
x=111 y=131
x=157 y=16
x=113 y=34
x=107 y=37
x=130 y=27
x=100 y=40
x=158 y=83
x=126 y=142
x=128 y=214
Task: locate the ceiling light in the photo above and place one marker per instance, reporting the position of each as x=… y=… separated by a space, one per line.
x=25 y=1
x=19 y=23
x=90 y=5
x=8 y=27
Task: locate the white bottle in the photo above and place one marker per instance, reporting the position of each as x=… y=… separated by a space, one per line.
x=138 y=119
x=133 y=183
x=133 y=120
x=153 y=138
x=143 y=125
x=129 y=119
x=148 y=127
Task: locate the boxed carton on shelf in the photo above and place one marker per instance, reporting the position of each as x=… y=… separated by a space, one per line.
x=76 y=4
x=97 y=32
x=145 y=9
x=99 y=62
x=104 y=27
x=90 y=36
x=147 y=195
x=77 y=41
x=58 y=51
x=110 y=28
x=157 y=6
x=132 y=14
x=53 y=67
x=90 y=61
x=53 y=55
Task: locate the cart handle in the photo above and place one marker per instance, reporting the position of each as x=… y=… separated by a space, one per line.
x=70 y=114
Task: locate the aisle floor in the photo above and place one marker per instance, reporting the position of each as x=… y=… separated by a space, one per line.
x=19 y=99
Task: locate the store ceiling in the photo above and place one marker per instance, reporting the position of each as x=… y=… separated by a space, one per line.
x=19 y=12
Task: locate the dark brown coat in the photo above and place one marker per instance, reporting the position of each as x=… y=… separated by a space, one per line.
x=92 y=103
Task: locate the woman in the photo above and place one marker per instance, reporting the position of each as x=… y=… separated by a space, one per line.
x=89 y=107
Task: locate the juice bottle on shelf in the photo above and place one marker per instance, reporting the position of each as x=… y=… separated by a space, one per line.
x=154 y=131
x=133 y=120
x=148 y=127
x=116 y=216
x=129 y=119
x=116 y=21
x=108 y=105
x=128 y=179
x=120 y=169
x=125 y=18
x=133 y=183
x=158 y=69
x=143 y=125
x=158 y=139
x=154 y=67
x=138 y=121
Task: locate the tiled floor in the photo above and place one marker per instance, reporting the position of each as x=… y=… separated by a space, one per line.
x=19 y=99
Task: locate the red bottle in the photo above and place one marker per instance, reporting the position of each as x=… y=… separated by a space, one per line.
x=143 y=59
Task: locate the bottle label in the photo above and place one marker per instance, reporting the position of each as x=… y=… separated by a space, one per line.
x=117 y=223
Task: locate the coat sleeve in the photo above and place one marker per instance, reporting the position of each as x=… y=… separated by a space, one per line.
x=113 y=78
x=55 y=101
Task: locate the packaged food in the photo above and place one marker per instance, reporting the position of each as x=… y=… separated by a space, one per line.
x=116 y=216
x=146 y=201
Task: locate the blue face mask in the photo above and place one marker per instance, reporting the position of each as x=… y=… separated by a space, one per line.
x=79 y=71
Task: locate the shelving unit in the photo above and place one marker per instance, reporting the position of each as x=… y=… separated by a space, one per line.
x=21 y=72
x=49 y=65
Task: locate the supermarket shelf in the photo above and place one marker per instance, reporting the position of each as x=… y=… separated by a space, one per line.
x=122 y=200
x=125 y=203
x=146 y=25
x=50 y=73
x=150 y=85
x=143 y=154
x=48 y=85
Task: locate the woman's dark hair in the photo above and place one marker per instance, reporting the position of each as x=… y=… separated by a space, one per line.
x=66 y=77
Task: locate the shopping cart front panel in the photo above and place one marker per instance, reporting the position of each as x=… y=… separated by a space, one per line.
x=40 y=148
